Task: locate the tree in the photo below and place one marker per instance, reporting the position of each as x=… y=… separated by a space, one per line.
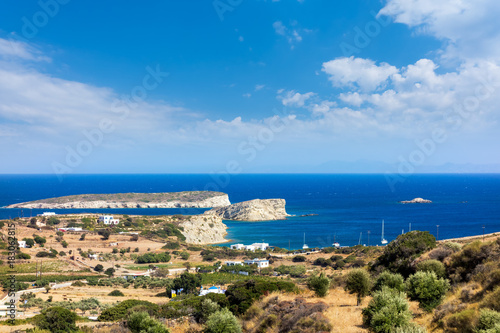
x=299 y=259
x=207 y=308
x=187 y=281
x=134 y=238
x=29 y=242
x=392 y=280
x=33 y=221
x=387 y=311
x=427 y=289
x=432 y=266
x=109 y=272
x=222 y=321
x=53 y=221
x=141 y=322
x=39 y=240
x=358 y=282
x=64 y=244
x=98 y=268
x=47 y=288
x=319 y=284
x=105 y=233
x=57 y=320
x=82 y=237
x=400 y=253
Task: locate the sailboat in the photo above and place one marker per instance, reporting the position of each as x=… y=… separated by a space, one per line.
x=305 y=245
x=384 y=241
x=335 y=243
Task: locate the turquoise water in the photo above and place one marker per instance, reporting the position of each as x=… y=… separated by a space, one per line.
x=348 y=206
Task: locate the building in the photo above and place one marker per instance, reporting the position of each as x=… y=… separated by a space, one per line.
x=261 y=263
x=250 y=248
x=237 y=247
x=233 y=263
x=260 y=246
x=47 y=214
x=213 y=290
x=108 y=220
x=113 y=244
x=22 y=244
x=74 y=229
x=94 y=256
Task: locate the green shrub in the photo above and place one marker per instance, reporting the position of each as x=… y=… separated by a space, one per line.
x=463 y=263
x=358 y=281
x=492 y=300
x=299 y=259
x=427 y=289
x=184 y=255
x=387 y=311
x=116 y=293
x=488 y=320
x=462 y=322
x=222 y=321
x=57 y=320
x=293 y=271
x=141 y=322
x=149 y=258
x=432 y=266
x=207 y=308
x=119 y=311
x=401 y=252
x=410 y=328
x=21 y=255
x=187 y=281
x=171 y=246
x=98 y=268
x=392 y=280
x=320 y=284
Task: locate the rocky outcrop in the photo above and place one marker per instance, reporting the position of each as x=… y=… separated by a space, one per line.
x=253 y=210
x=214 y=201
x=204 y=229
x=416 y=200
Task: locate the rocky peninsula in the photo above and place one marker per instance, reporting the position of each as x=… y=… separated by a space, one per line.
x=187 y=199
x=416 y=200
x=252 y=210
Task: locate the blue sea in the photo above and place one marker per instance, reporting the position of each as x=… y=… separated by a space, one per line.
x=349 y=208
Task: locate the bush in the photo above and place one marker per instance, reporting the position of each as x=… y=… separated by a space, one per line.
x=299 y=259
x=492 y=300
x=293 y=271
x=116 y=293
x=64 y=244
x=427 y=289
x=119 y=311
x=149 y=258
x=29 y=242
x=57 y=320
x=171 y=246
x=110 y=271
x=21 y=255
x=387 y=311
x=207 y=308
x=462 y=322
x=401 y=252
x=320 y=284
x=488 y=320
x=184 y=255
x=432 y=266
x=463 y=263
x=105 y=233
x=39 y=240
x=222 y=321
x=82 y=237
x=358 y=281
x=98 y=268
x=141 y=322
x=391 y=280
x=187 y=281
x=410 y=328
x=44 y=254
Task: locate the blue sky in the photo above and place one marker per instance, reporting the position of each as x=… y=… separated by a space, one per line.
x=236 y=86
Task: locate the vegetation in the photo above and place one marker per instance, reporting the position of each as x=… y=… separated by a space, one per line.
x=116 y=293
x=141 y=322
x=358 y=281
x=148 y=258
x=320 y=284
x=391 y=280
x=57 y=320
x=222 y=321
x=120 y=310
x=427 y=289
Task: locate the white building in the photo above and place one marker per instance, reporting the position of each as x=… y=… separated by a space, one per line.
x=237 y=247
x=22 y=244
x=250 y=248
x=261 y=263
x=94 y=256
x=233 y=263
x=214 y=290
x=108 y=219
x=261 y=246
x=47 y=214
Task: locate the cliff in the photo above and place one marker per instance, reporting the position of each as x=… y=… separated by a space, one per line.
x=204 y=229
x=416 y=200
x=188 y=199
x=253 y=210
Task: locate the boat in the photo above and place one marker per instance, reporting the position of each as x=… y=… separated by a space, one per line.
x=335 y=243
x=304 y=247
x=384 y=241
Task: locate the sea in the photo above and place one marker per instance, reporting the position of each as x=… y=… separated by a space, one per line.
x=324 y=208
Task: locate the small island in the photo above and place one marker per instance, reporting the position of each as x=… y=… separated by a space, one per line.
x=252 y=210
x=186 y=199
x=416 y=200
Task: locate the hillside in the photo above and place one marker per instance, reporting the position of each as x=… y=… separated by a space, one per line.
x=186 y=199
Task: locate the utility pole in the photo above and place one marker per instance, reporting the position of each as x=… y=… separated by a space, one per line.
x=409 y=229
x=483 y=233
x=437 y=227
x=369 y=237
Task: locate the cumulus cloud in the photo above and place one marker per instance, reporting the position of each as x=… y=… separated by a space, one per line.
x=292 y=98
x=358 y=72
x=292 y=35
x=468 y=28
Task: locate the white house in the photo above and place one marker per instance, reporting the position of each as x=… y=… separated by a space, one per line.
x=47 y=214
x=261 y=263
x=22 y=244
x=214 y=290
x=261 y=246
x=94 y=256
x=237 y=247
x=250 y=248
x=108 y=219
x=233 y=263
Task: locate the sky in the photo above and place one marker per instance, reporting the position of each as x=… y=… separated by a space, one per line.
x=249 y=86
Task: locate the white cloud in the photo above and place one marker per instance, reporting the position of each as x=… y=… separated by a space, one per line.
x=247 y=95
x=468 y=28
x=358 y=72
x=293 y=98
x=20 y=50
x=292 y=35
x=259 y=87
